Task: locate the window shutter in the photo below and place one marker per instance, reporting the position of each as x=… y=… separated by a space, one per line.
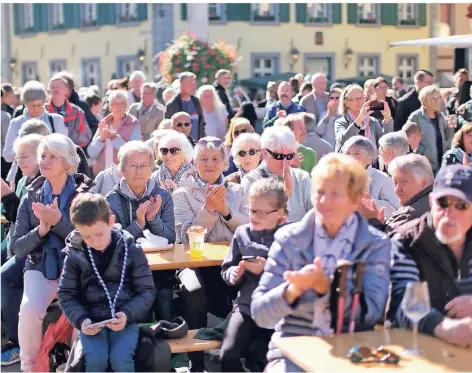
x=106 y=14
x=71 y=15
x=183 y=12
x=301 y=13
x=111 y=14
x=38 y=18
x=337 y=13
x=352 y=14
x=389 y=14
x=239 y=12
x=422 y=14
x=284 y=12
x=16 y=19
x=142 y=12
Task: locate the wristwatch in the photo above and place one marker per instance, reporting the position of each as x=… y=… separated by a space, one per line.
x=228 y=217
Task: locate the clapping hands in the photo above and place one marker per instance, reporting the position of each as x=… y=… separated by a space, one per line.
x=48 y=215
x=215 y=199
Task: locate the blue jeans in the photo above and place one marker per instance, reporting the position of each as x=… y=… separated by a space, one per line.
x=12 y=292
x=119 y=347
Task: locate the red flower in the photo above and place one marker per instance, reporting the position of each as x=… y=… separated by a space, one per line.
x=207 y=66
x=177 y=70
x=203 y=58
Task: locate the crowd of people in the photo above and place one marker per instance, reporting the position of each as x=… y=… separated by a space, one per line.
x=296 y=181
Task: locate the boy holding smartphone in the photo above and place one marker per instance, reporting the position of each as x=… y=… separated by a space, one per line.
x=105 y=277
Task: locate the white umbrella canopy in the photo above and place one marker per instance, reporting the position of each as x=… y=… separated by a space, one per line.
x=463 y=41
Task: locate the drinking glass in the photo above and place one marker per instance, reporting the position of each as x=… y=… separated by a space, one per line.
x=415 y=306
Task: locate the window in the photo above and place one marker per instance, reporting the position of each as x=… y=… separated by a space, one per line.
x=264 y=66
x=56 y=66
x=57 y=16
x=128 y=12
x=408 y=14
x=91 y=71
x=263 y=12
x=368 y=66
x=126 y=65
x=27 y=17
x=30 y=71
x=89 y=17
x=318 y=13
x=215 y=12
x=407 y=66
x=368 y=13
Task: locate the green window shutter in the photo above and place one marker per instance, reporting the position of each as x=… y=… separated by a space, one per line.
x=102 y=14
x=71 y=15
x=337 y=10
x=422 y=14
x=16 y=19
x=352 y=14
x=389 y=14
x=300 y=13
x=284 y=12
x=142 y=12
x=183 y=12
x=111 y=14
x=238 y=12
x=43 y=11
x=38 y=19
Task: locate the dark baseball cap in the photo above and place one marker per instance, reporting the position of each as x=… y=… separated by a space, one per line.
x=454 y=180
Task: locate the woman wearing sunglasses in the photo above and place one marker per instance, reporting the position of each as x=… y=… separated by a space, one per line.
x=181 y=122
x=207 y=200
x=246 y=153
x=237 y=126
x=176 y=154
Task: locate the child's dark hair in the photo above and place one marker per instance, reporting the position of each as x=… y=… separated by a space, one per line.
x=93 y=99
x=88 y=209
x=270 y=188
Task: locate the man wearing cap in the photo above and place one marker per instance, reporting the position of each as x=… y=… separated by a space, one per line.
x=437 y=248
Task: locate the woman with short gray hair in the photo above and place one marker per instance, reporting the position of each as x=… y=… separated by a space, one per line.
x=34 y=97
x=380 y=189
x=41 y=227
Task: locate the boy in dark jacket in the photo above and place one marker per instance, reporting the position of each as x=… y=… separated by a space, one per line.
x=105 y=276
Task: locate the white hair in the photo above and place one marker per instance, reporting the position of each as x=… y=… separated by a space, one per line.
x=117 y=94
x=63 y=147
x=218 y=106
x=134 y=146
x=396 y=141
x=136 y=74
x=252 y=139
x=418 y=164
x=362 y=143
x=278 y=138
x=181 y=140
x=210 y=145
x=32 y=141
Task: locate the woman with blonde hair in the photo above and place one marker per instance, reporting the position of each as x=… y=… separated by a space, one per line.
x=214 y=112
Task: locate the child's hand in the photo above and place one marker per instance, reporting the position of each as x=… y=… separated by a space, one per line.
x=91 y=331
x=255 y=267
x=237 y=272
x=119 y=323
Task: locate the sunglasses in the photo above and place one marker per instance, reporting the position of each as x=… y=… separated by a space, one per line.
x=173 y=151
x=460 y=205
x=363 y=354
x=243 y=153
x=237 y=133
x=204 y=142
x=281 y=157
x=185 y=124
x=334 y=98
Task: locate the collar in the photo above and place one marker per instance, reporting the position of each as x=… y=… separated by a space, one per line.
x=426 y=191
x=129 y=193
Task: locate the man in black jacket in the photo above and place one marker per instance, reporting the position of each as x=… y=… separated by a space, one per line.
x=186 y=101
x=410 y=102
x=437 y=249
x=223 y=82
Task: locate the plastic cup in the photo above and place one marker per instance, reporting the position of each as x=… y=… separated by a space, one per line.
x=196 y=242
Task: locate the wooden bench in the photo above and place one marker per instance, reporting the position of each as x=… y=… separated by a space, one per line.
x=189 y=344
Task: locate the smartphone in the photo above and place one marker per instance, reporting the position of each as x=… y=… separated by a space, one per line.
x=99 y=324
x=377 y=105
x=250 y=258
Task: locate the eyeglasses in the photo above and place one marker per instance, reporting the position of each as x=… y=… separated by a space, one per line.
x=243 y=153
x=215 y=142
x=173 y=151
x=136 y=167
x=460 y=205
x=334 y=98
x=363 y=354
x=237 y=133
x=357 y=99
x=261 y=214
x=185 y=124
x=281 y=157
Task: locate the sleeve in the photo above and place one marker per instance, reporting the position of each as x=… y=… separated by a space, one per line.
x=89 y=117
x=448 y=159
x=307 y=193
x=64 y=227
x=69 y=294
x=96 y=146
x=12 y=134
x=387 y=197
x=342 y=133
x=59 y=125
x=401 y=116
x=403 y=271
x=232 y=259
x=163 y=223
x=84 y=167
x=169 y=111
x=240 y=216
x=322 y=125
x=144 y=292
x=98 y=183
x=25 y=238
x=117 y=209
x=269 y=117
x=387 y=126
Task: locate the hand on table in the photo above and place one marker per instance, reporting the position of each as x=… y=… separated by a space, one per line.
x=458 y=332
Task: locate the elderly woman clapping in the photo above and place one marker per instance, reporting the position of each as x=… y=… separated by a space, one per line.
x=293 y=295
x=34 y=96
x=247 y=155
x=114 y=131
x=380 y=189
x=207 y=200
x=42 y=225
x=176 y=154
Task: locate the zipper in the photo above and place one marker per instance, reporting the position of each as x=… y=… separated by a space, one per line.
x=459 y=274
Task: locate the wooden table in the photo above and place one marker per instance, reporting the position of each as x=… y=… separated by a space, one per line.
x=179 y=257
x=329 y=354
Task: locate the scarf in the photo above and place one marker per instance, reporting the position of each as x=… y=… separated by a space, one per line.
x=365 y=127
x=331 y=250
x=241 y=173
x=164 y=173
x=53 y=258
x=71 y=114
x=203 y=184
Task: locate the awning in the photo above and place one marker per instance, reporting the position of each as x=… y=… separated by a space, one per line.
x=462 y=41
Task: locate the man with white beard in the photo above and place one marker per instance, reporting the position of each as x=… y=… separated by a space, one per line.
x=437 y=248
